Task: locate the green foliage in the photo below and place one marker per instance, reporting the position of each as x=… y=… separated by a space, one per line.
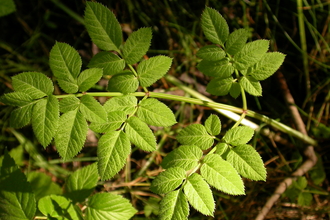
x=7 y=7
x=124 y=120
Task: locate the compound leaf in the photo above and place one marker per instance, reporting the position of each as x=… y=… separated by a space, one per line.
x=137 y=45
x=267 y=66
x=81 y=183
x=140 y=134
x=21 y=116
x=168 y=180
x=59 y=207
x=126 y=104
x=112 y=152
x=211 y=53
x=246 y=160
x=102 y=26
x=69 y=103
x=92 y=110
x=174 y=206
x=213 y=125
x=214 y=26
x=45 y=118
x=34 y=84
x=124 y=82
x=151 y=70
x=195 y=134
x=251 y=85
x=16 y=99
x=199 y=194
x=115 y=120
x=219 y=86
x=185 y=156
x=156 y=113
x=105 y=206
x=221 y=175
x=250 y=54
x=71 y=134
x=220 y=68
x=238 y=135
x=108 y=61
x=89 y=78
x=236 y=41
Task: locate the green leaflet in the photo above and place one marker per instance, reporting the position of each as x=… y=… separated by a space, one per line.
x=69 y=104
x=246 y=160
x=140 y=134
x=16 y=99
x=221 y=175
x=214 y=26
x=195 y=134
x=250 y=54
x=65 y=63
x=126 y=104
x=92 y=110
x=124 y=82
x=89 y=78
x=108 y=61
x=222 y=149
x=112 y=152
x=185 y=156
x=211 y=53
x=34 y=84
x=305 y=199
x=251 y=85
x=236 y=41
x=156 y=113
x=174 y=206
x=235 y=90
x=81 y=183
x=199 y=194
x=71 y=134
x=21 y=116
x=219 y=86
x=151 y=70
x=105 y=206
x=267 y=66
x=42 y=184
x=168 y=180
x=137 y=45
x=213 y=125
x=16 y=196
x=220 y=68
x=59 y=207
x=115 y=120
x=45 y=118
x=7 y=7
x=103 y=27
x=238 y=135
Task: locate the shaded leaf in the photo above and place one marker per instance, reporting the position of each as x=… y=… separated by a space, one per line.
x=236 y=41
x=220 y=68
x=211 y=53
x=69 y=103
x=92 y=110
x=21 y=116
x=124 y=82
x=219 y=86
x=16 y=99
x=89 y=78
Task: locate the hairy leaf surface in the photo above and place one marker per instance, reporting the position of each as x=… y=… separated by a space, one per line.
x=156 y=113
x=174 y=206
x=34 y=84
x=105 y=206
x=103 y=27
x=199 y=194
x=108 y=61
x=45 y=118
x=214 y=26
x=140 y=134
x=195 y=134
x=92 y=110
x=89 y=78
x=185 y=156
x=247 y=161
x=137 y=45
x=168 y=180
x=151 y=70
x=71 y=134
x=221 y=175
x=112 y=152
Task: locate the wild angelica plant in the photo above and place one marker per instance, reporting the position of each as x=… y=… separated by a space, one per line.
x=207 y=157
